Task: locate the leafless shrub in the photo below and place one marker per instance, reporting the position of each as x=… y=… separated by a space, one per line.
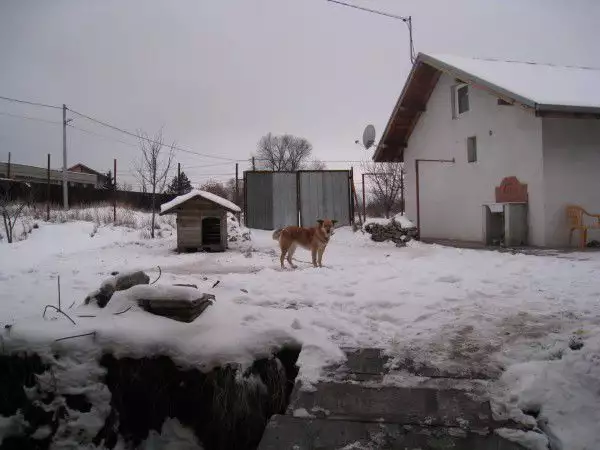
x=387 y=183
x=154 y=167
x=11 y=210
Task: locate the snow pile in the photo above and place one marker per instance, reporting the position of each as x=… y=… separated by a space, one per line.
x=398 y=229
x=562 y=396
x=230 y=206
x=236 y=232
x=173 y=436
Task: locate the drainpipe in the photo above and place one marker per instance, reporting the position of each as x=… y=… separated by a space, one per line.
x=417 y=161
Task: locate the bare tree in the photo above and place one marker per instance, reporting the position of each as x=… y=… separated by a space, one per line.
x=283 y=152
x=11 y=209
x=217 y=188
x=154 y=166
x=387 y=182
x=315 y=164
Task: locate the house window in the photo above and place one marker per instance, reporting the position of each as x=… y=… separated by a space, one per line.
x=472 y=149
x=462 y=98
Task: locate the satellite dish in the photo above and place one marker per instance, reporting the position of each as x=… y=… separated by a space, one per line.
x=369 y=136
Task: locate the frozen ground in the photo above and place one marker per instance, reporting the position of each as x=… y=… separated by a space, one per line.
x=450 y=307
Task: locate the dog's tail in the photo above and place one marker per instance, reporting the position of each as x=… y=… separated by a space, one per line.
x=277 y=233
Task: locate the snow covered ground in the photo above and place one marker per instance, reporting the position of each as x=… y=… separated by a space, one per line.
x=453 y=308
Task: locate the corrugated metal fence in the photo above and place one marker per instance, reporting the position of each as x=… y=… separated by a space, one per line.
x=277 y=199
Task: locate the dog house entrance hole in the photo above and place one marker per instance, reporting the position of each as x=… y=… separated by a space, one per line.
x=211 y=231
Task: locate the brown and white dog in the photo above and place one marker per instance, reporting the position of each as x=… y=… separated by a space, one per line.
x=314 y=239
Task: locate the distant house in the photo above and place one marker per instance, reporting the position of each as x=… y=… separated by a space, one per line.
x=496 y=148
x=33 y=174
x=101 y=178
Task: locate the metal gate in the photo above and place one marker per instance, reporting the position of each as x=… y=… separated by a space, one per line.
x=277 y=199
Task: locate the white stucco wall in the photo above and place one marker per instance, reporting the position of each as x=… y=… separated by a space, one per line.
x=509 y=143
x=571 y=173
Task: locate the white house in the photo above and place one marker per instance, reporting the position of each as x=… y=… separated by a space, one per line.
x=489 y=121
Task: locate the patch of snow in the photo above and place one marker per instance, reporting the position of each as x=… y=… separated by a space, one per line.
x=173 y=436
x=404 y=221
x=166 y=207
x=528 y=439
x=545 y=84
x=154 y=292
x=303 y=413
x=42 y=432
x=565 y=393
x=12 y=426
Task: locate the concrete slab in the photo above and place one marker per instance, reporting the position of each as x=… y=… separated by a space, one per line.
x=291 y=433
x=366 y=364
x=458 y=373
x=370 y=364
x=402 y=405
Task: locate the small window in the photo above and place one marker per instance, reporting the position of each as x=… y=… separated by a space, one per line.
x=462 y=98
x=472 y=149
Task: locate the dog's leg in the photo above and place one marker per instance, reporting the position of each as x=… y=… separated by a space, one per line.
x=314 y=256
x=284 y=250
x=290 y=255
x=320 y=255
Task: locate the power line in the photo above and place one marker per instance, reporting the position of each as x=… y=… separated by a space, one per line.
x=37 y=119
x=83 y=130
x=207 y=165
x=105 y=124
x=29 y=103
x=212 y=174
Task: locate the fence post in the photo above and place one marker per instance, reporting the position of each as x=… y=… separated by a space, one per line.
x=48 y=191
x=364 y=200
x=115 y=191
x=298 y=200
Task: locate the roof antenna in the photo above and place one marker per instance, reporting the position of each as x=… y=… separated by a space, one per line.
x=407 y=20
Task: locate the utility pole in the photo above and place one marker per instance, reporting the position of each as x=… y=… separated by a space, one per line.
x=64 y=169
x=48 y=191
x=402 y=190
x=363 y=199
x=178 y=178
x=115 y=191
x=237 y=189
x=253 y=164
x=8 y=168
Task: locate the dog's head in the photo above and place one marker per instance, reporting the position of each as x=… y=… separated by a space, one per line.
x=327 y=225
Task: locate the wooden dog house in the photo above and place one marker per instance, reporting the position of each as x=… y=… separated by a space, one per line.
x=201 y=220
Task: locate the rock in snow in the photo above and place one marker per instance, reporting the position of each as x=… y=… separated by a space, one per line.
x=118 y=282
x=398 y=229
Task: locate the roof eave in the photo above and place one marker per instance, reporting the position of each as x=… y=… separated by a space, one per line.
x=568 y=109
x=381 y=144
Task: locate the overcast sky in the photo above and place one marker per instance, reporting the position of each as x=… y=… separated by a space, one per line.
x=220 y=74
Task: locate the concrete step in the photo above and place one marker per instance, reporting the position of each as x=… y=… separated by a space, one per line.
x=391 y=404
x=291 y=433
x=370 y=364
